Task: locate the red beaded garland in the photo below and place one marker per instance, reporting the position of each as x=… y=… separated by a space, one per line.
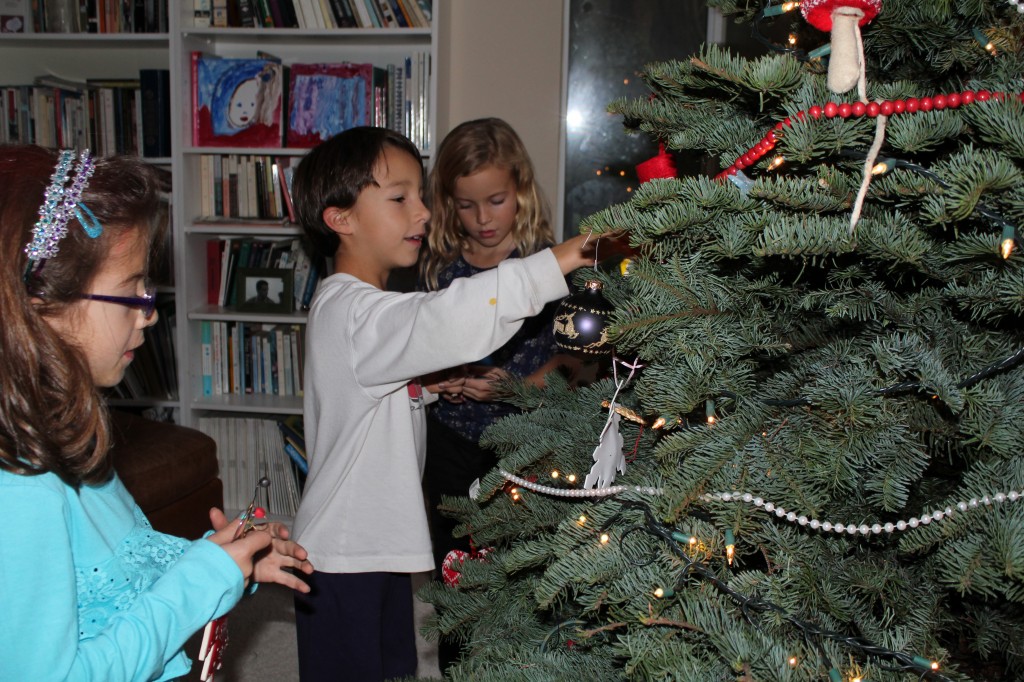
x=845 y=110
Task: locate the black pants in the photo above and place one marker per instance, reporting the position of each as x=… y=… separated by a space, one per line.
x=453 y=463
x=356 y=626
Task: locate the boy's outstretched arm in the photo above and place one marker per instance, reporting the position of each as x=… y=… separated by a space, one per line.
x=577 y=252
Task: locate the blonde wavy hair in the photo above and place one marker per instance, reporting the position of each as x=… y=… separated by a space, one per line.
x=468 y=148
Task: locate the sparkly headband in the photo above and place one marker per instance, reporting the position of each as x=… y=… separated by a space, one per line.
x=59 y=204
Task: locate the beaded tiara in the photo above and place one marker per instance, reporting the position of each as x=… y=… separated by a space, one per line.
x=61 y=201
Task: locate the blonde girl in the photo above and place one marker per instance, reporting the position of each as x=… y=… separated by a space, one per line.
x=486 y=207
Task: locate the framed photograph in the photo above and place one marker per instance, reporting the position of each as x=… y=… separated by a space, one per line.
x=265 y=290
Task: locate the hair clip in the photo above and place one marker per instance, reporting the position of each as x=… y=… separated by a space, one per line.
x=60 y=202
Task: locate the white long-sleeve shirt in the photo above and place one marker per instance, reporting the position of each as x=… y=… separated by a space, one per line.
x=362 y=508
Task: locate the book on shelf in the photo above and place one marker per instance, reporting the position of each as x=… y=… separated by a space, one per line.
x=327 y=98
x=16 y=16
x=202 y=13
x=247 y=358
x=155 y=95
x=236 y=101
x=241 y=189
x=387 y=16
x=285 y=175
x=248 y=449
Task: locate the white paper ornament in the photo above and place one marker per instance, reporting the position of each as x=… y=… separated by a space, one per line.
x=608 y=457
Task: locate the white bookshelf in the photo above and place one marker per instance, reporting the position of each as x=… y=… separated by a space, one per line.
x=377 y=46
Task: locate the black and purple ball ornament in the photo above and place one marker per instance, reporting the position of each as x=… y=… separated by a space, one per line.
x=581 y=322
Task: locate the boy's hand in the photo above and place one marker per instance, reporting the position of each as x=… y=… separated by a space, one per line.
x=448 y=384
x=263 y=553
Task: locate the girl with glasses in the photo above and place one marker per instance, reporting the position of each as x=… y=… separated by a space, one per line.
x=90 y=590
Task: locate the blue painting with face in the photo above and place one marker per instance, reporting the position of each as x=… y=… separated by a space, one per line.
x=238 y=101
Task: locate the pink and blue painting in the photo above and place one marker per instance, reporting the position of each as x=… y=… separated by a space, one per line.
x=237 y=102
x=325 y=99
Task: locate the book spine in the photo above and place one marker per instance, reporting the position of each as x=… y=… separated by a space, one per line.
x=155 y=95
x=298 y=459
x=386 y=15
x=276 y=15
x=400 y=18
x=219 y=13
x=207 y=359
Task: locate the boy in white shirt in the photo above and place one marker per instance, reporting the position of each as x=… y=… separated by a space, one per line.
x=362 y=517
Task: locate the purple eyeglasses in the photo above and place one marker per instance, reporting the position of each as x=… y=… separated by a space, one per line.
x=145 y=303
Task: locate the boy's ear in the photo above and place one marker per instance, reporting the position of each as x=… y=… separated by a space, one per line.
x=338 y=219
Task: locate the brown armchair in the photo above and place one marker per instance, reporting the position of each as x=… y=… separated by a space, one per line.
x=171 y=471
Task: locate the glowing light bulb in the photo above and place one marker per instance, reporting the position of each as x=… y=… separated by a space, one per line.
x=658 y=423
x=776 y=162
x=663 y=592
x=880 y=168
x=711 y=419
x=792 y=661
x=554 y=473
x=791 y=39
x=605 y=538
x=1006 y=248
x=582 y=520
x=571 y=478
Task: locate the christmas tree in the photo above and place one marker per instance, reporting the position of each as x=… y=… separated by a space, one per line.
x=810 y=432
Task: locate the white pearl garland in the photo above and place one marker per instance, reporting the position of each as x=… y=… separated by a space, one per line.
x=579 y=492
x=864 y=529
x=1019 y=4
x=792 y=517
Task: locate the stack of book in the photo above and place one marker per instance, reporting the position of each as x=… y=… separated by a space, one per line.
x=313 y=14
x=247 y=450
x=245 y=358
x=85 y=16
x=108 y=115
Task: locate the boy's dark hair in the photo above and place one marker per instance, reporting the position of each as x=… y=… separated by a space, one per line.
x=334 y=173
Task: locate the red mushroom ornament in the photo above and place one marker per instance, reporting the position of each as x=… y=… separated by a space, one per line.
x=843 y=19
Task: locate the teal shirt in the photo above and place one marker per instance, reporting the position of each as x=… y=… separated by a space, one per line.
x=89 y=591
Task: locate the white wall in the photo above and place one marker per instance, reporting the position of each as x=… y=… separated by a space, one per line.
x=504 y=58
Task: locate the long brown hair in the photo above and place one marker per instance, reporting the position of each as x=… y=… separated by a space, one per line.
x=52 y=417
x=468 y=148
